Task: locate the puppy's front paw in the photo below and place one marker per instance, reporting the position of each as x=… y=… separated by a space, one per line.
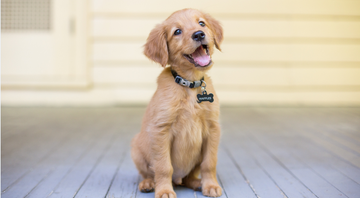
x=212 y=190
x=165 y=193
x=147 y=185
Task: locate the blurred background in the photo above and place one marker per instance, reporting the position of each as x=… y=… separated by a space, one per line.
x=89 y=52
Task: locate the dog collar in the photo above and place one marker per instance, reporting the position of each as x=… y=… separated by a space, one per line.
x=181 y=81
x=201 y=97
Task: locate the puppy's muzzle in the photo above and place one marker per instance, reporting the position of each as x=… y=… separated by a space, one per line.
x=198 y=36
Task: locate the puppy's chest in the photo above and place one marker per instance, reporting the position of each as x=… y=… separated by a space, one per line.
x=191 y=117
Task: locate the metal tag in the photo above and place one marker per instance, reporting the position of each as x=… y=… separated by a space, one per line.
x=205 y=97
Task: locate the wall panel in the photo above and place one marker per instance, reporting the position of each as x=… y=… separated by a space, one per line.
x=293 y=52
x=279 y=52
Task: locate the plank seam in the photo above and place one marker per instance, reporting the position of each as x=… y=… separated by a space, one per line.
x=330 y=140
x=241 y=172
x=91 y=144
x=330 y=152
x=116 y=171
x=222 y=185
x=49 y=173
x=138 y=181
x=278 y=161
x=334 y=167
x=97 y=163
x=305 y=164
x=32 y=168
x=262 y=168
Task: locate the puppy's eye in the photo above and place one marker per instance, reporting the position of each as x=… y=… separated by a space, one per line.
x=177 y=32
x=202 y=24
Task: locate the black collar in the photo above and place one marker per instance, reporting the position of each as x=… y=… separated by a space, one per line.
x=181 y=81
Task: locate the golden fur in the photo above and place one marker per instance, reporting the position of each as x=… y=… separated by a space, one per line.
x=179 y=137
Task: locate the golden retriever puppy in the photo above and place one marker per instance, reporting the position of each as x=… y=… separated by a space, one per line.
x=180 y=131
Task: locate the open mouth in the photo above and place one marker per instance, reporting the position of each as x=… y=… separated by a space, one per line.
x=200 y=57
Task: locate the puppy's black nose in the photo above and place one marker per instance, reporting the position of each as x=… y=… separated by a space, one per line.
x=198 y=36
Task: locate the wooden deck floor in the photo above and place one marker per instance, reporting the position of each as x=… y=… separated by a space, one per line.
x=264 y=152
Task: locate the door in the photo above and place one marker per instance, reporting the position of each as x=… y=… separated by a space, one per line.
x=39 y=43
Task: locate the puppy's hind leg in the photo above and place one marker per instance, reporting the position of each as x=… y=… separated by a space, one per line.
x=147 y=184
x=192 y=179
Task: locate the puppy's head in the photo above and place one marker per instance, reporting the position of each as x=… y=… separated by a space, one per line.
x=186 y=39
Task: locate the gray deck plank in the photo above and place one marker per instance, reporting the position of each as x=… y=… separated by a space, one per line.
x=16 y=164
x=34 y=125
x=28 y=130
x=322 y=162
x=234 y=183
x=48 y=169
x=340 y=140
x=262 y=184
x=345 y=123
x=99 y=181
x=312 y=180
x=314 y=123
x=46 y=186
x=282 y=137
x=353 y=158
x=289 y=184
x=18 y=136
x=317 y=126
x=183 y=192
x=125 y=182
x=43 y=135
x=22 y=187
x=328 y=170
x=333 y=122
x=351 y=135
x=281 y=152
x=313 y=158
x=73 y=180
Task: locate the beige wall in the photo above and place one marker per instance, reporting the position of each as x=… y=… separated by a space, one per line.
x=274 y=53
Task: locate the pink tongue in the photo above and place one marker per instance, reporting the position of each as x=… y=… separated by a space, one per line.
x=200 y=56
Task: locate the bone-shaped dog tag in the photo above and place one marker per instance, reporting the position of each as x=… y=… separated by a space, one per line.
x=205 y=97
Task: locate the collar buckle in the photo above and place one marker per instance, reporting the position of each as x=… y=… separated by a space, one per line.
x=184 y=83
x=181 y=81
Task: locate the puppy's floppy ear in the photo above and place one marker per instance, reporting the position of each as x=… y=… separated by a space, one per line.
x=216 y=28
x=156 y=48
